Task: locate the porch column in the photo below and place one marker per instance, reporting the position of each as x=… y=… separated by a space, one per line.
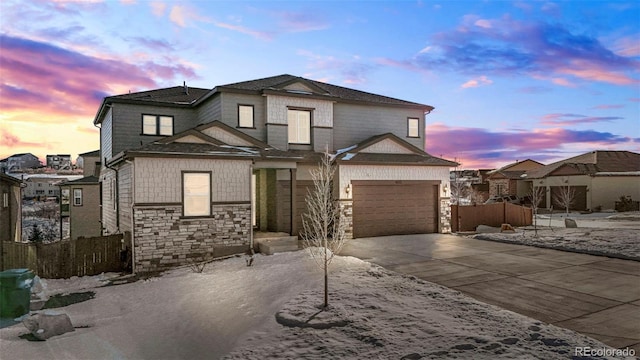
x=294 y=210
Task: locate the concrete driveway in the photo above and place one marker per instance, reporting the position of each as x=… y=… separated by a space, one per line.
x=593 y=295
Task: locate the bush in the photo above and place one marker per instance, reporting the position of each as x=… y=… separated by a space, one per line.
x=626 y=204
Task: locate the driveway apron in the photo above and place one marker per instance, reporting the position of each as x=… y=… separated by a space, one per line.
x=594 y=295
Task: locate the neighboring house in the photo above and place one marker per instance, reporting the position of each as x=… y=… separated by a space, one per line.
x=469 y=186
x=19 y=162
x=189 y=170
x=10 y=208
x=4 y=165
x=42 y=187
x=509 y=180
x=89 y=162
x=599 y=178
x=59 y=162
x=80 y=206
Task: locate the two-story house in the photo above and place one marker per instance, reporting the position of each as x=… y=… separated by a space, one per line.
x=23 y=161
x=59 y=161
x=189 y=170
x=80 y=201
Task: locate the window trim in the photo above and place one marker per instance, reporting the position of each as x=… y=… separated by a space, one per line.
x=210 y=200
x=300 y=109
x=417 y=120
x=253 y=116
x=75 y=197
x=157 y=126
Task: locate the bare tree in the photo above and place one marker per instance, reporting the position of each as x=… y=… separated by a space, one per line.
x=565 y=198
x=537 y=194
x=459 y=190
x=476 y=197
x=324 y=222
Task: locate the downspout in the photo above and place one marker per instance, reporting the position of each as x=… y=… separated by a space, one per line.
x=117 y=194
x=133 y=200
x=251 y=205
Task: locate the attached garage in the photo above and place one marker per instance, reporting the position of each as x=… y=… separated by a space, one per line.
x=394 y=207
x=579 y=200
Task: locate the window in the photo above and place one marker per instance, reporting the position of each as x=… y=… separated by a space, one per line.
x=196 y=190
x=299 y=126
x=5 y=199
x=245 y=116
x=157 y=125
x=413 y=127
x=77 y=197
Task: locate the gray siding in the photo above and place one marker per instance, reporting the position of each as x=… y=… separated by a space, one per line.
x=230 y=102
x=125 y=177
x=109 y=224
x=278 y=136
x=127 y=124
x=355 y=123
x=210 y=110
x=322 y=137
x=106 y=136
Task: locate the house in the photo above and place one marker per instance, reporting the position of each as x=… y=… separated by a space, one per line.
x=89 y=162
x=59 y=161
x=599 y=178
x=10 y=212
x=4 y=165
x=21 y=162
x=80 y=207
x=41 y=187
x=509 y=180
x=190 y=170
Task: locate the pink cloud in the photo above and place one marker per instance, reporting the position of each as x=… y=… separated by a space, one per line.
x=264 y=35
x=182 y=15
x=479 y=81
x=484 y=148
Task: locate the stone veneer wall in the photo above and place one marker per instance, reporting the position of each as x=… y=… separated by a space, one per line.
x=445 y=215
x=347 y=207
x=164 y=239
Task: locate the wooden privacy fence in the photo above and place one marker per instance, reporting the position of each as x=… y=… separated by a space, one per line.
x=67 y=258
x=467 y=218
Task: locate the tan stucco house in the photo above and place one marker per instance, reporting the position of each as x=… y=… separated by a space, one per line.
x=599 y=178
x=190 y=170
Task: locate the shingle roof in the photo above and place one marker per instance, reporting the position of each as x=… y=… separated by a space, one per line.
x=280 y=81
x=173 y=95
x=94 y=153
x=85 y=180
x=593 y=162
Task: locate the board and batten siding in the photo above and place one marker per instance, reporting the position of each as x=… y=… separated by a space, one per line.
x=353 y=124
x=159 y=180
x=109 y=223
x=125 y=189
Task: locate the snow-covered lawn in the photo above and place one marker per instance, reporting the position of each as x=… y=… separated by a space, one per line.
x=230 y=310
x=616 y=235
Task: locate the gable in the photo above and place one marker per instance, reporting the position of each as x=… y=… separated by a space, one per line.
x=298 y=87
x=225 y=136
x=387 y=146
x=191 y=139
x=524 y=165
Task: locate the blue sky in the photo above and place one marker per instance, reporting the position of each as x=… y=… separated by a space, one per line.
x=509 y=80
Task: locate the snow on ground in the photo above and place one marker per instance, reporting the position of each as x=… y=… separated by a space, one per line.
x=616 y=235
x=230 y=308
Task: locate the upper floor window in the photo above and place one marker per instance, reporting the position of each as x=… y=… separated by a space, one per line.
x=157 y=125
x=299 y=122
x=413 y=127
x=196 y=192
x=245 y=116
x=77 y=197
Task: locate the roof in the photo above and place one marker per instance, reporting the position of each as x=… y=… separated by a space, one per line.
x=599 y=161
x=505 y=172
x=87 y=180
x=186 y=96
x=416 y=156
x=21 y=154
x=9 y=178
x=279 y=82
x=94 y=153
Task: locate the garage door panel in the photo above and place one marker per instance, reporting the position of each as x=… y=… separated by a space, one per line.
x=390 y=209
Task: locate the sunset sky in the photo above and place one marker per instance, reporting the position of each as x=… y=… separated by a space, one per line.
x=508 y=80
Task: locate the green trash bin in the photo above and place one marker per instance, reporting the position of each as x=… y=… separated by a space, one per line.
x=15 y=292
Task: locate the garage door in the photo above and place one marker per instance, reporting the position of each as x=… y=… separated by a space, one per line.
x=394 y=207
x=579 y=199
